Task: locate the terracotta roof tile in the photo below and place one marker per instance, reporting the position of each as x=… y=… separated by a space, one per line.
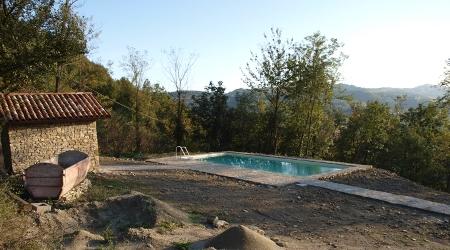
x=30 y=107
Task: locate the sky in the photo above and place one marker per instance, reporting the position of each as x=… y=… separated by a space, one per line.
x=390 y=43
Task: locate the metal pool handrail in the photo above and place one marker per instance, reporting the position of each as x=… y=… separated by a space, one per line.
x=183 y=150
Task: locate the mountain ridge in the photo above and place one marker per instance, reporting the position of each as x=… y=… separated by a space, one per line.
x=419 y=94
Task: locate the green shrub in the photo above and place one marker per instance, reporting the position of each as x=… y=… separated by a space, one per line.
x=168 y=226
x=14 y=224
x=181 y=245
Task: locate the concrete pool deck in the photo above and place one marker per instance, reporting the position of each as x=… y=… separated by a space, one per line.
x=245 y=174
x=275 y=179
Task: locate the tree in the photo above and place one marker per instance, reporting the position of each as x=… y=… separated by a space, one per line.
x=136 y=64
x=246 y=128
x=366 y=133
x=270 y=75
x=442 y=162
x=310 y=92
x=177 y=70
x=38 y=38
x=416 y=147
x=208 y=112
x=71 y=36
x=446 y=84
x=23 y=42
x=421 y=127
x=114 y=135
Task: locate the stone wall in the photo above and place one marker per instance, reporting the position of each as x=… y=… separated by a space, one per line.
x=33 y=143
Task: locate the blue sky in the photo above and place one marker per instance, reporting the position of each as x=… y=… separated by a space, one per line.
x=392 y=43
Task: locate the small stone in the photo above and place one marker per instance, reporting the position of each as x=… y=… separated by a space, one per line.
x=281 y=244
x=220 y=224
x=211 y=219
x=261 y=232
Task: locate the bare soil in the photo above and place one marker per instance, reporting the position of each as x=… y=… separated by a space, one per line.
x=294 y=217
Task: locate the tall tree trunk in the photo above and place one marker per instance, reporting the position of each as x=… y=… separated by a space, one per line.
x=138 y=138
x=309 y=120
x=179 y=119
x=58 y=77
x=275 y=132
x=447 y=189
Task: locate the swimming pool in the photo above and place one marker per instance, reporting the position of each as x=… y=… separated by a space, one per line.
x=282 y=165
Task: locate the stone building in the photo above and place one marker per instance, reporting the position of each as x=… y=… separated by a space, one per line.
x=39 y=126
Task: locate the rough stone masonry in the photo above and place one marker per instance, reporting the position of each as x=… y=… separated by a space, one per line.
x=34 y=143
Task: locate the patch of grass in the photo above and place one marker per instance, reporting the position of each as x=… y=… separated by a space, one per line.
x=130 y=155
x=102 y=189
x=182 y=245
x=169 y=226
x=387 y=216
x=195 y=209
x=15 y=185
x=402 y=240
x=424 y=240
x=223 y=213
x=50 y=202
x=133 y=224
x=14 y=224
x=194 y=218
x=108 y=234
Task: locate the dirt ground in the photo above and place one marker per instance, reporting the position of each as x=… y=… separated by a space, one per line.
x=294 y=217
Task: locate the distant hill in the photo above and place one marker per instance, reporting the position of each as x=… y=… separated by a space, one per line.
x=414 y=96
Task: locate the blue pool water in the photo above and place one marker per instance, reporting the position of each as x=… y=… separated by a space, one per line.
x=277 y=165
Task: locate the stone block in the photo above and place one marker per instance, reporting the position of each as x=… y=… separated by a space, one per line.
x=41 y=208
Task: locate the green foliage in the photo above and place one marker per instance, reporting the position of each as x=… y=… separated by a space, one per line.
x=39 y=38
x=298 y=82
x=208 y=114
x=182 y=245
x=108 y=235
x=417 y=148
x=103 y=189
x=365 y=134
x=154 y=119
x=310 y=94
x=195 y=218
x=446 y=84
x=14 y=225
x=177 y=70
x=271 y=76
x=168 y=226
x=246 y=126
x=412 y=143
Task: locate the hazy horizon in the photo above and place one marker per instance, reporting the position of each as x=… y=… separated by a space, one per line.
x=390 y=43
